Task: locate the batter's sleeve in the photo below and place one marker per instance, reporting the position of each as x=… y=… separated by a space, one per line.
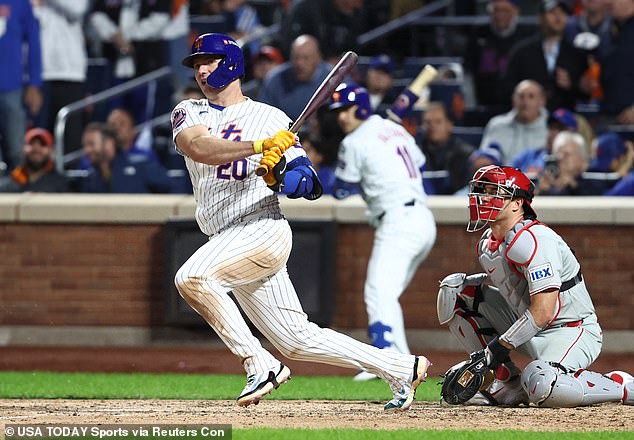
x=184 y=115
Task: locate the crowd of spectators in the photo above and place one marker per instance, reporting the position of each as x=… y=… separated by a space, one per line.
x=553 y=97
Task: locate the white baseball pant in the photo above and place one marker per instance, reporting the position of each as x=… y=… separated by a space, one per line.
x=250 y=260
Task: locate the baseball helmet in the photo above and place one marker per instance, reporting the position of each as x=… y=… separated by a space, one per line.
x=349 y=94
x=488 y=189
x=232 y=65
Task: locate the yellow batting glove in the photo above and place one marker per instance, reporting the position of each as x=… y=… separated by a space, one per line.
x=270 y=158
x=282 y=139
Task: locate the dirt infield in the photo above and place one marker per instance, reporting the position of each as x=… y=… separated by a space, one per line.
x=315 y=414
x=269 y=413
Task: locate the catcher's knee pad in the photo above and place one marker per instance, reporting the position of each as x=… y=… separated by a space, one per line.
x=550 y=385
x=539 y=379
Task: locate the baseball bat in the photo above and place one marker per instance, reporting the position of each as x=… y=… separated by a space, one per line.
x=410 y=95
x=323 y=92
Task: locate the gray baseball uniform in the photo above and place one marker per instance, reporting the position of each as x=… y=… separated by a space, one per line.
x=533 y=258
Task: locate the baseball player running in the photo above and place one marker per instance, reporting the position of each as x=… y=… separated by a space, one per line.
x=382 y=158
x=222 y=138
x=531 y=298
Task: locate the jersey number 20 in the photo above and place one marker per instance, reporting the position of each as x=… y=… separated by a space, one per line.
x=236 y=169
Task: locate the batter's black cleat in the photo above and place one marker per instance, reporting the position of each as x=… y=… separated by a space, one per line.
x=261 y=384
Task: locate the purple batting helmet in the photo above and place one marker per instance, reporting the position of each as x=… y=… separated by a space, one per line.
x=349 y=94
x=232 y=65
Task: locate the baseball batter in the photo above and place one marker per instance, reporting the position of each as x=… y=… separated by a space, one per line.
x=535 y=301
x=221 y=138
x=382 y=159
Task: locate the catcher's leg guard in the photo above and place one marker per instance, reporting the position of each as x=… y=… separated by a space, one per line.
x=475 y=314
x=550 y=385
x=473 y=321
x=627 y=380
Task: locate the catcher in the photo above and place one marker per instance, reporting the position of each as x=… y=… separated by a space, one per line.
x=531 y=298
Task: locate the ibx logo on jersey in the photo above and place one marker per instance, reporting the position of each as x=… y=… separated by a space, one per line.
x=178 y=117
x=541 y=272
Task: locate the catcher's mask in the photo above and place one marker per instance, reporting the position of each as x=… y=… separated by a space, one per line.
x=490 y=187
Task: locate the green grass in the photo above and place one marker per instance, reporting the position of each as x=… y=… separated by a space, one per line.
x=43 y=385
x=33 y=385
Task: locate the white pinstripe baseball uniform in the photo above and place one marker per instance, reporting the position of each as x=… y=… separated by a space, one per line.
x=249 y=244
x=384 y=159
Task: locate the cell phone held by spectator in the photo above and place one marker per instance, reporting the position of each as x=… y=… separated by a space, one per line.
x=551 y=165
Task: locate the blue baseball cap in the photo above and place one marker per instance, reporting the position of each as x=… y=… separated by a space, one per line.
x=548 y=5
x=493 y=152
x=382 y=62
x=609 y=147
x=564 y=117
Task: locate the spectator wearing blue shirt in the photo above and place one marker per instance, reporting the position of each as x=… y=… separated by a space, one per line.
x=612 y=155
x=290 y=85
x=116 y=171
x=613 y=159
x=532 y=161
x=19 y=26
x=624 y=187
x=129 y=137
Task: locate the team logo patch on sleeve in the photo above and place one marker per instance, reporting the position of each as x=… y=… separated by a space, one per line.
x=541 y=272
x=178 y=117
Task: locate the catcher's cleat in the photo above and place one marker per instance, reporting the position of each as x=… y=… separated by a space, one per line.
x=261 y=384
x=627 y=380
x=405 y=396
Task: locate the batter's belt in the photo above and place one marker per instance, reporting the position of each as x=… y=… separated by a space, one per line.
x=410 y=203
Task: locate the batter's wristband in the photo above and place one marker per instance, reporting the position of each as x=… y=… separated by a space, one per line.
x=257 y=146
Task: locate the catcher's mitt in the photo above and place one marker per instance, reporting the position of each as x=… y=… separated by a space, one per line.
x=462 y=381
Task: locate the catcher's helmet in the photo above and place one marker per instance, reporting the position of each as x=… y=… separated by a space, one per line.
x=232 y=65
x=488 y=189
x=349 y=94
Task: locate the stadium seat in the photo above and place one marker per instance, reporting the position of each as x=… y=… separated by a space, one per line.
x=471 y=135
